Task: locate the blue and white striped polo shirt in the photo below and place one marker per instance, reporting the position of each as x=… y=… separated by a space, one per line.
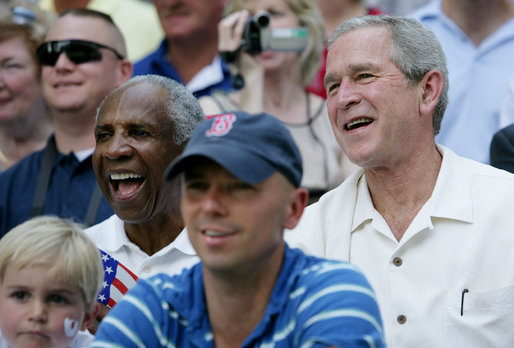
x=315 y=303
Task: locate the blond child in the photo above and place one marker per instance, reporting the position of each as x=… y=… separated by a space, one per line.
x=50 y=275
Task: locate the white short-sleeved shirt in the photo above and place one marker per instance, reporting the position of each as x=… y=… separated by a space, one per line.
x=460 y=243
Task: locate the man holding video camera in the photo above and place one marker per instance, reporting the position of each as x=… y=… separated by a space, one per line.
x=277 y=61
x=189 y=52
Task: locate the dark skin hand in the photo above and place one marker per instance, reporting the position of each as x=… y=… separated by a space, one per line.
x=104 y=310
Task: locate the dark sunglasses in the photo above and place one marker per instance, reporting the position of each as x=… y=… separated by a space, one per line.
x=78 y=51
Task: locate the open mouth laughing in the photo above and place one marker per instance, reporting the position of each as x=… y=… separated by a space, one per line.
x=125 y=185
x=360 y=122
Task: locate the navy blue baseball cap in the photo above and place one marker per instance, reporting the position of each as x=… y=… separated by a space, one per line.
x=251 y=147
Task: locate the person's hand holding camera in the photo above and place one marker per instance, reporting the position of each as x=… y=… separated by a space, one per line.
x=230 y=44
x=230 y=31
x=247 y=73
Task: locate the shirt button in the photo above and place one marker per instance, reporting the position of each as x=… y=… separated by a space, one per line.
x=401 y=319
x=397 y=261
x=147 y=269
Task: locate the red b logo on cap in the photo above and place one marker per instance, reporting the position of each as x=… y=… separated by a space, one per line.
x=221 y=125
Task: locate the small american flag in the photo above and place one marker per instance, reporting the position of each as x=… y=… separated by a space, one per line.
x=118 y=279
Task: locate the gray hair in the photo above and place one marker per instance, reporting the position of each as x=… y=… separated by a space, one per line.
x=414 y=50
x=183 y=108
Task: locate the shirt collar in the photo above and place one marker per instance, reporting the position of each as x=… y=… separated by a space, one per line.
x=364 y=209
x=210 y=75
x=182 y=243
x=451 y=197
x=115 y=241
x=432 y=9
x=82 y=155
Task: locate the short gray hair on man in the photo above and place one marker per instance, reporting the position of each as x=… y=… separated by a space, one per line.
x=414 y=50
x=183 y=108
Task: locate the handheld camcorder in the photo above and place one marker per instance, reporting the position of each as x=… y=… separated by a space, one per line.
x=258 y=36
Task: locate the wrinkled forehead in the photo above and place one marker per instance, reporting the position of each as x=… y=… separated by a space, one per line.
x=143 y=95
x=368 y=35
x=144 y=103
x=360 y=45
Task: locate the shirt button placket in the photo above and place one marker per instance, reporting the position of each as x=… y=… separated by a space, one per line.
x=400 y=319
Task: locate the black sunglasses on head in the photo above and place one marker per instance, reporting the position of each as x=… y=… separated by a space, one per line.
x=78 y=51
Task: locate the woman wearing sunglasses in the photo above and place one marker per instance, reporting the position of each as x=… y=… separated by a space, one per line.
x=25 y=121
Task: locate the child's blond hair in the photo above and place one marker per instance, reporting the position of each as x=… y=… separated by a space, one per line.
x=57 y=242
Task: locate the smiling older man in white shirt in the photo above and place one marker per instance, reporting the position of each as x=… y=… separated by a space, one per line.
x=432 y=231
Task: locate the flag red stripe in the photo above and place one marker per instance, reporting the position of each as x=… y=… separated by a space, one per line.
x=128 y=271
x=111 y=303
x=119 y=285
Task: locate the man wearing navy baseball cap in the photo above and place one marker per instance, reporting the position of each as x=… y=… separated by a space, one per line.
x=240 y=190
x=251 y=147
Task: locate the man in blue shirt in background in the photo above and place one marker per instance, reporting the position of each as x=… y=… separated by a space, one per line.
x=240 y=190
x=82 y=60
x=478 y=40
x=189 y=52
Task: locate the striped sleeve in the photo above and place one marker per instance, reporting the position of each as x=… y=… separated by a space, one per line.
x=140 y=319
x=336 y=306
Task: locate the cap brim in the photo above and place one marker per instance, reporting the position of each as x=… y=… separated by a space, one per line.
x=244 y=165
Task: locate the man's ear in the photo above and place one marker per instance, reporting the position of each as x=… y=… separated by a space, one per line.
x=296 y=207
x=431 y=87
x=125 y=71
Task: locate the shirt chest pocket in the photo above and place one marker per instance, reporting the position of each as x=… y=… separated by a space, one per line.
x=480 y=319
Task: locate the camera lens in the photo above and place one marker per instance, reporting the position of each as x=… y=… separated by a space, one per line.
x=262 y=20
x=256 y=33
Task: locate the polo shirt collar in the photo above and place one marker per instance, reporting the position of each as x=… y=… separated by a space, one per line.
x=118 y=240
x=432 y=9
x=290 y=270
x=194 y=289
x=210 y=75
